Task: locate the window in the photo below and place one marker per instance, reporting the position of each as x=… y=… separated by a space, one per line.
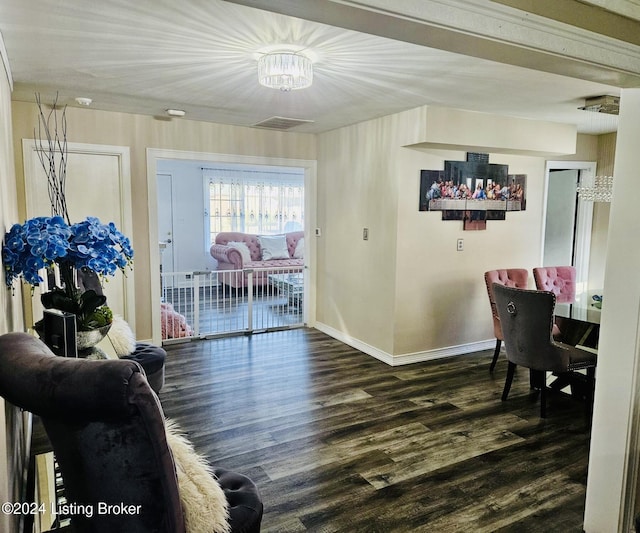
x=252 y=200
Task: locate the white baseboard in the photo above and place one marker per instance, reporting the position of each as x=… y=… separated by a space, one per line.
x=405 y=359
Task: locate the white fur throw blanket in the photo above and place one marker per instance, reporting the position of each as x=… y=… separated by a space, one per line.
x=122 y=338
x=204 y=504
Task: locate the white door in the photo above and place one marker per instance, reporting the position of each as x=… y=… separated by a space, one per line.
x=165 y=230
x=165 y=222
x=561 y=218
x=98 y=184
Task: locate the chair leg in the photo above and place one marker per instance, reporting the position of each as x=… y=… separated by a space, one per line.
x=591 y=384
x=543 y=400
x=495 y=355
x=536 y=379
x=511 y=369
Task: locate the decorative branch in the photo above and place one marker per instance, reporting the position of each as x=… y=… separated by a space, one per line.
x=51 y=147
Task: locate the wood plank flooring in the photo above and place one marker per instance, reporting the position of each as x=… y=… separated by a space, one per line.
x=339 y=442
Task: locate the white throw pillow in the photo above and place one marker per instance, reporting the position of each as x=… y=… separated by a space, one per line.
x=243 y=249
x=204 y=504
x=122 y=338
x=299 y=251
x=273 y=247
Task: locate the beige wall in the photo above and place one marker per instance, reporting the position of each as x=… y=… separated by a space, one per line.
x=601 y=211
x=140 y=132
x=441 y=298
x=13 y=434
x=606 y=153
x=356 y=189
x=406 y=292
x=586 y=150
x=10 y=304
x=613 y=456
x=600 y=149
x=491 y=133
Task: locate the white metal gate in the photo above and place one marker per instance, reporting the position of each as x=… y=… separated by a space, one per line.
x=216 y=303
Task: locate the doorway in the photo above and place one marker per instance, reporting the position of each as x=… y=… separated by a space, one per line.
x=568 y=221
x=101 y=168
x=199 y=200
x=204 y=265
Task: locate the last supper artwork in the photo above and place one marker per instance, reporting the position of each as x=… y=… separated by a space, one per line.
x=473 y=191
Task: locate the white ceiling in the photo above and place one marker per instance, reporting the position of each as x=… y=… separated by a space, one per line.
x=146 y=56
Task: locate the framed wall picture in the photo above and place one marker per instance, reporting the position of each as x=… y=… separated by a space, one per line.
x=472 y=190
x=429 y=187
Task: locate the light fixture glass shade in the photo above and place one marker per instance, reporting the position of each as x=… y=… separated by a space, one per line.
x=285 y=71
x=601 y=191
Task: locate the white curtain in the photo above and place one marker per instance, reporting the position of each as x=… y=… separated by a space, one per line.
x=254 y=201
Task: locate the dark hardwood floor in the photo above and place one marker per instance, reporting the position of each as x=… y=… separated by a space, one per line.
x=339 y=442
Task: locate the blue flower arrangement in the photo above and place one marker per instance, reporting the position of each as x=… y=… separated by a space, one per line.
x=42 y=242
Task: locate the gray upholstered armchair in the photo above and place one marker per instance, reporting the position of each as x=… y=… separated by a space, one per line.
x=108 y=433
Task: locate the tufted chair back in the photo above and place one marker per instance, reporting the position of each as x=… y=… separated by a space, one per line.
x=560 y=280
x=509 y=277
x=252 y=242
x=527 y=318
x=249 y=239
x=292 y=240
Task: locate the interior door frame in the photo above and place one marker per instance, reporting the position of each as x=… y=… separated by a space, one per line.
x=310 y=245
x=584 y=219
x=31 y=162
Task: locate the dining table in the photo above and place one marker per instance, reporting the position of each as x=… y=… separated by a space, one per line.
x=579 y=326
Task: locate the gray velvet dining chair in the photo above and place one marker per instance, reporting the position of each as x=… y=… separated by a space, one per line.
x=510 y=277
x=527 y=318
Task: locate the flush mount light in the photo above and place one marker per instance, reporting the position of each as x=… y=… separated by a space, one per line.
x=175 y=112
x=602 y=104
x=81 y=100
x=286 y=71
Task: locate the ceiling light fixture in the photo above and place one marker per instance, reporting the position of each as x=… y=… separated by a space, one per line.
x=600 y=191
x=286 y=71
x=81 y=100
x=602 y=104
x=176 y=112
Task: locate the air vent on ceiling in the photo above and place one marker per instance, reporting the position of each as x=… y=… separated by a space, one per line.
x=281 y=123
x=602 y=104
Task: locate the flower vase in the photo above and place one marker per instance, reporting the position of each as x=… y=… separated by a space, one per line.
x=85 y=340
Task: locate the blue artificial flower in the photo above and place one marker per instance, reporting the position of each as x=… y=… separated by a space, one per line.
x=42 y=241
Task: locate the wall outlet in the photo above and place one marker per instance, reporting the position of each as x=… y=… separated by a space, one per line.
x=318 y=232
x=460 y=245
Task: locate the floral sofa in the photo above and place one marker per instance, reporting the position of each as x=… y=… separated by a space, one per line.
x=236 y=251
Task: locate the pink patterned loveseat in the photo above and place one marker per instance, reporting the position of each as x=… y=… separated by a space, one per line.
x=284 y=252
